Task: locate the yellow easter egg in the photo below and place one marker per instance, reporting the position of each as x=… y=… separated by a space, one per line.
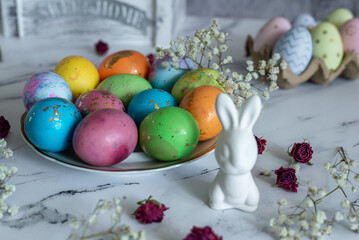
x=339 y=16
x=79 y=73
x=327 y=45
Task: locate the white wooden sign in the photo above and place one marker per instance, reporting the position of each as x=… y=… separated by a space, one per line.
x=136 y=21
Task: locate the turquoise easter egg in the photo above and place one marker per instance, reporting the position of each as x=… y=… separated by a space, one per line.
x=50 y=123
x=296 y=47
x=45 y=85
x=165 y=77
x=148 y=101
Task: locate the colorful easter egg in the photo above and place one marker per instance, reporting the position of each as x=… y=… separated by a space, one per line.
x=125 y=86
x=45 y=85
x=339 y=16
x=200 y=102
x=164 y=77
x=79 y=73
x=349 y=33
x=96 y=99
x=169 y=134
x=269 y=34
x=105 y=137
x=304 y=20
x=295 y=46
x=193 y=79
x=50 y=123
x=327 y=45
x=125 y=61
x=148 y=101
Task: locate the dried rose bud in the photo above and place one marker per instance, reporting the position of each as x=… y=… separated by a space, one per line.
x=205 y=233
x=287 y=179
x=150 y=211
x=261 y=144
x=151 y=58
x=101 y=47
x=4 y=127
x=301 y=152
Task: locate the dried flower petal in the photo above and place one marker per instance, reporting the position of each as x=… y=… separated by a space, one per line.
x=261 y=144
x=301 y=152
x=205 y=233
x=101 y=47
x=150 y=211
x=287 y=179
x=4 y=127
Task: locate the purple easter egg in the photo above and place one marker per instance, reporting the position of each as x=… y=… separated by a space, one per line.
x=96 y=99
x=105 y=137
x=45 y=85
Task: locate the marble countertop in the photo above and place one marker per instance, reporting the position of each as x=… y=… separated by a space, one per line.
x=48 y=194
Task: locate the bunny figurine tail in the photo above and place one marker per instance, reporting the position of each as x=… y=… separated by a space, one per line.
x=236 y=153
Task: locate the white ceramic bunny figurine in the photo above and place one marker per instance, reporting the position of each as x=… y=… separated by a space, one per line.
x=236 y=153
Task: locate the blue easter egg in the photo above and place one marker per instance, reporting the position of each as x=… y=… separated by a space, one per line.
x=50 y=123
x=304 y=20
x=295 y=46
x=148 y=101
x=165 y=77
x=45 y=85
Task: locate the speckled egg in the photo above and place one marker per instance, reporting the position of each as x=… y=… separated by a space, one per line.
x=148 y=101
x=96 y=99
x=327 y=45
x=169 y=134
x=339 y=16
x=349 y=32
x=269 y=34
x=105 y=137
x=200 y=102
x=296 y=47
x=193 y=79
x=45 y=85
x=304 y=20
x=79 y=73
x=50 y=123
x=164 y=77
x=125 y=86
x=125 y=61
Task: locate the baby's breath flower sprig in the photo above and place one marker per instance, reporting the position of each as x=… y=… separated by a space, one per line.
x=306 y=219
x=207 y=49
x=6 y=190
x=117 y=231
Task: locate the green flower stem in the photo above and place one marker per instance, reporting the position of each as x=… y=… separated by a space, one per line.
x=99 y=234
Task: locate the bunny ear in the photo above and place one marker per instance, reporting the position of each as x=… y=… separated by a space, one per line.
x=226 y=111
x=249 y=112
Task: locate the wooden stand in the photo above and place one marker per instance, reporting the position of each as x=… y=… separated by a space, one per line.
x=316 y=71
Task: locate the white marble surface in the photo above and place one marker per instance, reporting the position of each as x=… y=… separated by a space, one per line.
x=49 y=194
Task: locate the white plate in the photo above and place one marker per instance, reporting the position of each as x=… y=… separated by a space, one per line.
x=137 y=162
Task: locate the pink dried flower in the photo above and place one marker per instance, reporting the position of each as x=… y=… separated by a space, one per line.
x=287 y=179
x=151 y=58
x=4 y=127
x=150 y=211
x=101 y=47
x=205 y=233
x=301 y=152
x=261 y=144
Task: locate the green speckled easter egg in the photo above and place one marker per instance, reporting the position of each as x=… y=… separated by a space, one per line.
x=339 y=16
x=125 y=86
x=193 y=79
x=327 y=45
x=169 y=134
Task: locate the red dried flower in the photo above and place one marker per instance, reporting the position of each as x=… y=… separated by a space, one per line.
x=205 y=233
x=150 y=211
x=301 y=152
x=261 y=144
x=4 y=127
x=101 y=47
x=287 y=179
x=151 y=58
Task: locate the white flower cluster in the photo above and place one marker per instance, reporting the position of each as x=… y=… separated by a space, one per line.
x=116 y=232
x=207 y=48
x=306 y=219
x=6 y=189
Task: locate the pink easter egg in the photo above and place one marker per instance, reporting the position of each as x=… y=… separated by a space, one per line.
x=270 y=33
x=96 y=99
x=349 y=32
x=105 y=137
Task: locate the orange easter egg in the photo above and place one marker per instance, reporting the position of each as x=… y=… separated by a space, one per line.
x=200 y=102
x=125 y=61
